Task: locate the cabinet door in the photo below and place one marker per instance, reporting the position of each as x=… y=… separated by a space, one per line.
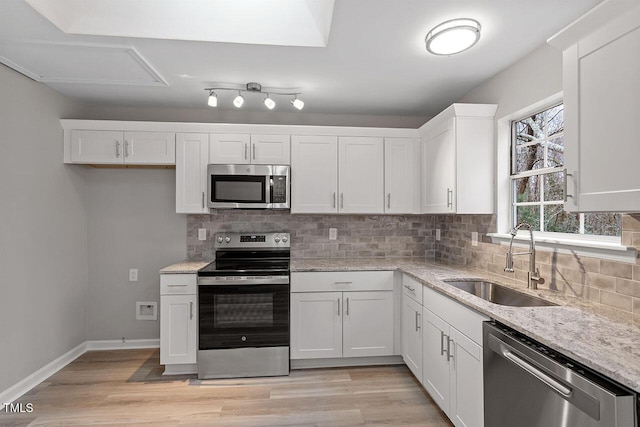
x=601 y=92
x=314 y=174
x=316 y=325
x=467 y=394
x=229 y=149
x=192 y=154
x=439 y=168
x=435 y=366
x=367 y=323
x=401 y=175
x=150 y=148
x=361 y=172
x=97 y=146
x=412 y=335
x=270 y=149
x=178 y=329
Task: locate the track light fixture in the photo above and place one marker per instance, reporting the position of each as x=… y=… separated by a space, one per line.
x=253 y=87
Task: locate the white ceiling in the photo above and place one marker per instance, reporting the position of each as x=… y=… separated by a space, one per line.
x=374 y=62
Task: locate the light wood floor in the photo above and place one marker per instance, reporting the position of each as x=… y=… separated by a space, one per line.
x=126 y=387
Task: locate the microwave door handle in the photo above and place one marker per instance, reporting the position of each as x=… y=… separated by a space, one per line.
x=269 y=195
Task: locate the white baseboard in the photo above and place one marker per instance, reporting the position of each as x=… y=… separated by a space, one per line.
x=22 y=387
x=122 y=345
x=346 y=361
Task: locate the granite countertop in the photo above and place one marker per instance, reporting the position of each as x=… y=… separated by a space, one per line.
x=597 y=336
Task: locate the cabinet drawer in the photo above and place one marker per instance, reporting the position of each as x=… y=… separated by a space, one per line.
x=327 y=281
x=178 y=284
x=464 y=319
x=412 y=288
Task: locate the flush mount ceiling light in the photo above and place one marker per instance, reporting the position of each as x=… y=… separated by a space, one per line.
x=253 y=87
x=454 y=36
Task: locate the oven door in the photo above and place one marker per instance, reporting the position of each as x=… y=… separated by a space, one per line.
x=241 y=316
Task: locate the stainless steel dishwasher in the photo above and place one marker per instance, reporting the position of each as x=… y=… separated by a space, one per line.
x=529 y=385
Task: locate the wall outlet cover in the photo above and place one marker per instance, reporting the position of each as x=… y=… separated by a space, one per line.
x=333 y=234
x=474 y=238
x=202 y=234
x=133 y=274
x=438 y=234
x=146 y=310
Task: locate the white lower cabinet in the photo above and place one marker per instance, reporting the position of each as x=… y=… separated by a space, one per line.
x=330 y=322
x=178 y=319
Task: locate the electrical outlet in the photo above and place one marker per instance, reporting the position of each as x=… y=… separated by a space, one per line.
x=133 y=274
x=333 y=234
x=438 y=234
x=474 y=238
x=202 y=234
x=146 y=310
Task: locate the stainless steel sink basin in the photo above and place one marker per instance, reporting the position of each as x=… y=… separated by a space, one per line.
x=498 y=294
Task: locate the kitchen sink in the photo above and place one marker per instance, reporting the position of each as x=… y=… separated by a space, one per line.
x=498 y=294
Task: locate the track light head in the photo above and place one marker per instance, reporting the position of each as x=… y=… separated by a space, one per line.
x=213 y=99
x=297 y=103
x=269 y=103
x=238 y=101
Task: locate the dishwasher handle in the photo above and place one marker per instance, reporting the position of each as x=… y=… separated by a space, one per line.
x=548 y=380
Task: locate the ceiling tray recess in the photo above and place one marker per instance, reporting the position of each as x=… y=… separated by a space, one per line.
x=80 y=63
x=282 y=22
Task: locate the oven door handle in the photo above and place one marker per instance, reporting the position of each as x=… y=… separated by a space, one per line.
x=243 y=280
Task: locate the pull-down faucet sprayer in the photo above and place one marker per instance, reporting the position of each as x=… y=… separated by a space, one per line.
x=533 y=276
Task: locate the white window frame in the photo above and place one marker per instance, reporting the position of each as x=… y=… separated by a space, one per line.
x=607 y=247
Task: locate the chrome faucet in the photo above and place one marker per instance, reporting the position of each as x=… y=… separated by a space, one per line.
x=533 y=276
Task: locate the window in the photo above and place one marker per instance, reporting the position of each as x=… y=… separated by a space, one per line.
x=537 y=179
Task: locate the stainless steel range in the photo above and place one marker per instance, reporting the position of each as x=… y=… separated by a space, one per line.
x=243 y=301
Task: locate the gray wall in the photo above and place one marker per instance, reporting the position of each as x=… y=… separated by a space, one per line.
x=132 y=223
x=43 y=231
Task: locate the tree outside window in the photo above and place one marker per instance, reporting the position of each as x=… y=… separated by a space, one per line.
x=537 y=176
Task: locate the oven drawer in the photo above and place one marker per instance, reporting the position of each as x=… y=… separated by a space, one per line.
x=342 y=281
x=178 y=284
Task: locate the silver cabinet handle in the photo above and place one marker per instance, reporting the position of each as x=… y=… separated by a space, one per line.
x=565 y=182
x=191 y=310
x=338 y=306
x=245 y=150
x=203 y=200
x=449 y=355
x=449 y=198
x=389 y=200
x=341 y=200
x=342 y=283
x=347 y=306
x=126 y=148
x=410 y=288
x=176 y=286
x=334 y=200
x=418 y=327
x=254 y=151
x=117 y=148
x=442 y=350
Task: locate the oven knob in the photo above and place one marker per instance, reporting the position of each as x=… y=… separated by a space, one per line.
x=244 y=338
x=219 y=239
x=227 y=239
x=277 y=239
x=285 y=239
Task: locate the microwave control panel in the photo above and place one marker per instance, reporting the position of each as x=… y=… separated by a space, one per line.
x=279 y=189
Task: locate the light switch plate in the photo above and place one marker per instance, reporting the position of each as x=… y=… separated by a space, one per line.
x=474 y=238
x=333 y=234
x=438 y=234
x=133 y=274
x=202 y=234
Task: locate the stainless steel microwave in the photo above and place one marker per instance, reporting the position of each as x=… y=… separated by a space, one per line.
x=248 y=187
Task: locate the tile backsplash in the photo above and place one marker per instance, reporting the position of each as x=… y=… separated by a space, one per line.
x=359 y=236
x=612 y=283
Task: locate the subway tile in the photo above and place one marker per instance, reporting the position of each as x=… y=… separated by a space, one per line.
x=571 y=275
x=636 y=272
x=575 y=262
x=631 y=222
x=636 y=305
x=600 y=281
x=628 y=287
x=617 y=269
x=623 y=302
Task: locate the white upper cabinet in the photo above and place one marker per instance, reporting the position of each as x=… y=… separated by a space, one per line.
x=314 y=174
x=192 y=155
x=361 y=175
x=242 y=149
x=270 y=149
x=601 y=88
x=117 y=147
x=401 y=175
x=458 y=160
x=229 y=148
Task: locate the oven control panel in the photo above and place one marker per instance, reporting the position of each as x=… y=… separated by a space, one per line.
x=252 y=240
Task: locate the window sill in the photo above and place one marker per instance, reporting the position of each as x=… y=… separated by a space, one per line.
x=590 y=248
